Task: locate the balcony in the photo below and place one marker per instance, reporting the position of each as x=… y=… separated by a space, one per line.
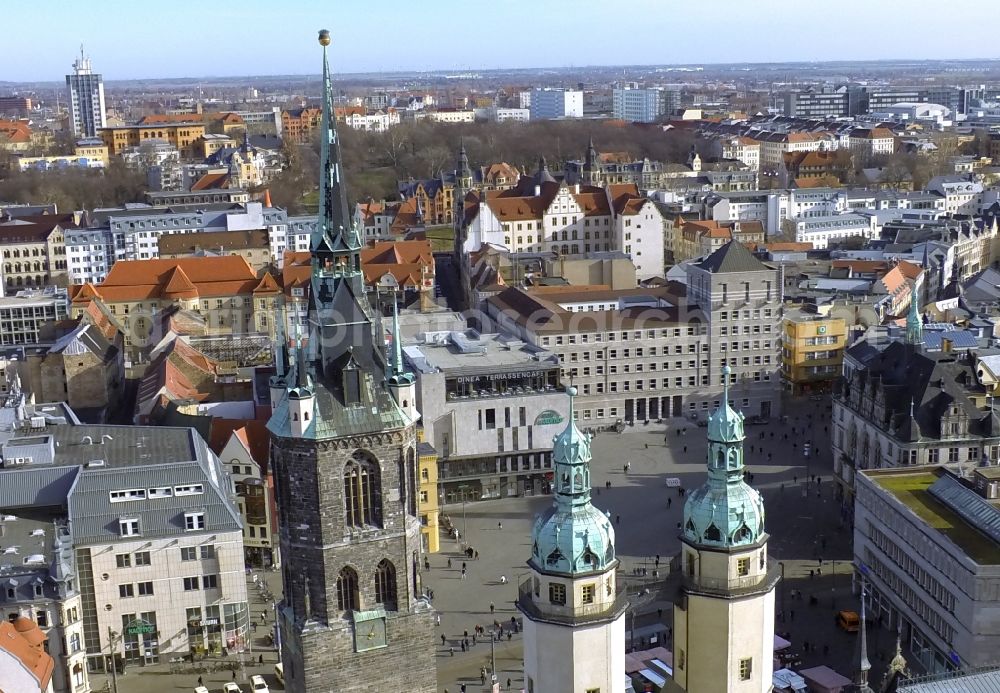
x=568 y=615
x=719 y=587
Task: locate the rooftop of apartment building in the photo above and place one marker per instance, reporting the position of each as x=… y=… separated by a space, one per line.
x=33 y=297
x=94 y=470
x=945 y=504
x=213 y=241
x=467 y=350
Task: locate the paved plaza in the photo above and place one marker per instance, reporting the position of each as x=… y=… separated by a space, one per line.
x=646 y=514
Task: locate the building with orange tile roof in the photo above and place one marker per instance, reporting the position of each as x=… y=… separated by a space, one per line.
x=406 y=267
x=25 y=667
x=15 y=136
x=542 y=215
x=225 y=291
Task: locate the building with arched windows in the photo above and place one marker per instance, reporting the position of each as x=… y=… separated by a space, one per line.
x=344 y=456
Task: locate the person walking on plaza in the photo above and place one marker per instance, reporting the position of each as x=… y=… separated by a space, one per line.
x=492 y=608
x=500 y=526
x=463 y=573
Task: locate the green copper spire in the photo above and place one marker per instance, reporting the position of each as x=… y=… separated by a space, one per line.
x=572 y=536
x=914 y=326
x=725 y=511
x=335 y=243
x=397 y=369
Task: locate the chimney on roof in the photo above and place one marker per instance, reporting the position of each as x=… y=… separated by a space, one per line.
x=946 y=345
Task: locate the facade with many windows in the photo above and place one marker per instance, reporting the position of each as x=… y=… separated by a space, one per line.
x=151 y=540
x=505 y=391
x=901 y=406
x=929 y=547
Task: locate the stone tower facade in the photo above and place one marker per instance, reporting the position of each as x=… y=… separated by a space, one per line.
x=463 y=185
x=574 y=614
x=344 y=460
x=724 y=614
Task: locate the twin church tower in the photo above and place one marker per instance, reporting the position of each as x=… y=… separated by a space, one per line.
x=343 y=451
x=723 y=632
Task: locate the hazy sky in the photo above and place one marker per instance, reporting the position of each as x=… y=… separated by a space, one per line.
x=182 y=38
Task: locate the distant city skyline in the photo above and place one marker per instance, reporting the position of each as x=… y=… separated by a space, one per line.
x=127 y=41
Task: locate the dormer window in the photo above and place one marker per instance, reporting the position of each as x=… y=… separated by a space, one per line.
x=129 y=527
x=194 y=521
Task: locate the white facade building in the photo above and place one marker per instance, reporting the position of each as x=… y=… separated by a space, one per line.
x=823 y=230
x=378 y=121
x=551 y=104
x=502 y=115
x=638 y=105
x=86 y=98
x=134 y=234
x=938 y=588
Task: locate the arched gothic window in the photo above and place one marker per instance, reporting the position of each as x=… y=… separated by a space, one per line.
x=385 y=584
x=362 y=491
x=347 y=590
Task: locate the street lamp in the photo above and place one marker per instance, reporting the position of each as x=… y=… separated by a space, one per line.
x=112 y=638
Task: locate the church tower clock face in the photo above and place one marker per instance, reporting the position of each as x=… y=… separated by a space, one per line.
x=370 y=634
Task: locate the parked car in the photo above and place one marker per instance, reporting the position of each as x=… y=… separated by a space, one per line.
x=257 y=685
x=231 y=688
x=848 y=621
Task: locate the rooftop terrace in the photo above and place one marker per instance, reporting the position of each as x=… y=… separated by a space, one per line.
x=911 y=488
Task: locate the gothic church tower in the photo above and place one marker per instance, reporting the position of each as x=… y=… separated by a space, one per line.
x=344 y=460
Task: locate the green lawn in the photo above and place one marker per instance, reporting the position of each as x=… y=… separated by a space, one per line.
x=442 y=238
x=911 y=490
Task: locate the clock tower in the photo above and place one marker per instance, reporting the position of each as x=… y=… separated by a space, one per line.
x=344 y=459
x=724 y=609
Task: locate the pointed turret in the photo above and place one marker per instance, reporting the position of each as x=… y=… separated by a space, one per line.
x=914 y=327
x=402 y=382
x=571 y=602
x=572 y=535
x=335 y=242
x=864 y=666
x=725 y=511
x=543 y=175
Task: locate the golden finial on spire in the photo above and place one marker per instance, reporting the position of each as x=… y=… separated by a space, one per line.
x=324 y=37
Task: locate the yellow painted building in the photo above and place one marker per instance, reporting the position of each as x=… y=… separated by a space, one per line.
x=812 y=353
x=183 y=136
x=427 y=506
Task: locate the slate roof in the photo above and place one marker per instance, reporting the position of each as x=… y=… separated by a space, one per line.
x=134 y=457
x=930 y=381
x=732 y=257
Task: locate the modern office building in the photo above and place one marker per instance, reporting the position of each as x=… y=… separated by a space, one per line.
x=86 y=98
x=927 y=541
x=636 y=105
x=812 y=350
x=506 y=391
x=145 y=535
x=23 y=315
x=551 y=104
